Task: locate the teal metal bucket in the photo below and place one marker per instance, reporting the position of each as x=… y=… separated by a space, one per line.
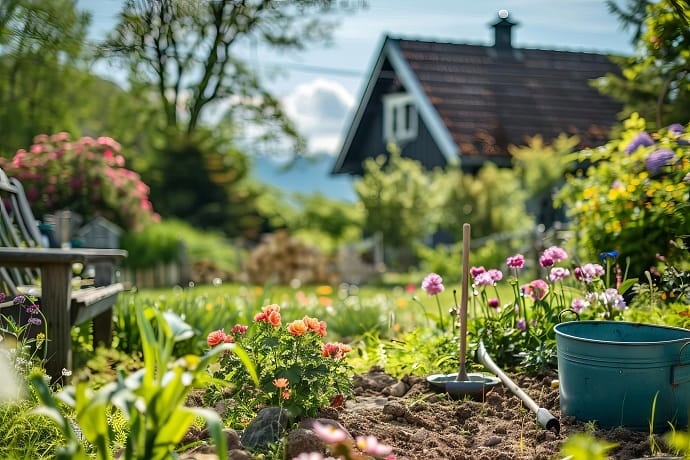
x=611 y=372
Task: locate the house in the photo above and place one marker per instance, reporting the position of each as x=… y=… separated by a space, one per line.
x=449 y=102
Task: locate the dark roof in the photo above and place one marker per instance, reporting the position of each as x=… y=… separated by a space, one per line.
x=489 y=98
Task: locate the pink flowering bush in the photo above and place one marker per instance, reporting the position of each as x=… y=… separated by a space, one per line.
x=87 y=176
x=519 y=330
x=296 y=368
x=341 y=446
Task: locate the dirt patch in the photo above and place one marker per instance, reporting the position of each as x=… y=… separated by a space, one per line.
x=421 y=423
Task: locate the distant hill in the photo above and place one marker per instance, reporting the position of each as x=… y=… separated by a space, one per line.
x=306 y=175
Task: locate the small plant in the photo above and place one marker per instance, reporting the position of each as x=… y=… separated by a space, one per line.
x=151 y=400
x=296 y=369
x=25 y=348
x=584 y=446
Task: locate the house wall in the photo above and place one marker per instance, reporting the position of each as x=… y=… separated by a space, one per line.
x=368 y=140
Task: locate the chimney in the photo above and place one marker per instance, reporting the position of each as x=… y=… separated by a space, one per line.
x=502 y=31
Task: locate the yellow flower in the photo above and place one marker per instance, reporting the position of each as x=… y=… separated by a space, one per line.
x=324 y=290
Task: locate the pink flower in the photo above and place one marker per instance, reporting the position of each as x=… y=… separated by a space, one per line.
x=546 y=261
x=556 y=253
x=516 y=261
x=215 y=338
x=494 y=303
x=588 y=272
x=476 y=271
x=239 y=329
x=537 y=289
x=433 y=284
x=558 y=274
x=578 y=305
x=484 y=279
x=329 y=433
x=495 y=275
x=371 y=445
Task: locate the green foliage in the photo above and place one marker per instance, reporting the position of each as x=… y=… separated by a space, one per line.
x=492 y=202
x=402 y=200
x=296 y=369
x=155 y=244
x=541 y=170
x=151 y=400
x=654 y=81
x=584 y=446
x=317 y=219
x=26 y=436
x=624 y=199
x=41 y=48
x=420 y=351
x=201 y=180
x=86 y=176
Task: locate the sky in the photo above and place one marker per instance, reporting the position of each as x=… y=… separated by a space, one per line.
x=320 y=87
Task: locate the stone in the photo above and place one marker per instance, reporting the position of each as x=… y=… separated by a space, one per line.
x=302 y=440
x=266 y=428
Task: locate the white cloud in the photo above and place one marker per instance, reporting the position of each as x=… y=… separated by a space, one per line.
x=320 y=110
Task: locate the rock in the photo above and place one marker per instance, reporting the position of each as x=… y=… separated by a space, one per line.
x=398 y=389
x=303 y=441
x=492 y=441
x=266 y=428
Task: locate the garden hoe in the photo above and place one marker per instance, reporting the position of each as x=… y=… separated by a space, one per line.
x=461 y=384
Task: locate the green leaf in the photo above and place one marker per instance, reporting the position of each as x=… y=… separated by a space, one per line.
x=178 y=328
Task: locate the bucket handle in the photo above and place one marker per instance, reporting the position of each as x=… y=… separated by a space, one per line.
x=577 y=315
x=680 y=373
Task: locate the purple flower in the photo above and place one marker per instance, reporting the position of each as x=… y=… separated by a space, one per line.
x=521 y=324
x=578 y=305
x=641 y=139
x=19 y=300
x=2 y=296
x=556 y=253
x=31 y=309
x=558 y=274
x=493 y=302
x=613 y=298
x=34 y=320
x=658 y=159
x=516 y=261
x=433 y=284
x=676 y=128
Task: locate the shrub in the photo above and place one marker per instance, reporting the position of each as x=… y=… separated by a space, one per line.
x=632 y=194
x=86 y=176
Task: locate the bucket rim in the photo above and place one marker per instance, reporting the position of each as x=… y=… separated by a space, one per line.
x=626 y=323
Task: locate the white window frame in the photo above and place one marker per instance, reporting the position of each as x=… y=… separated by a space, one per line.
x=400 y=119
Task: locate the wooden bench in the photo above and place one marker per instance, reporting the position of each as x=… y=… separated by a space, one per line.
x=26 y=267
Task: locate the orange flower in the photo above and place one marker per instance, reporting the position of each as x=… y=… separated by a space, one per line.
x=297 y=327
x=274 y=318
x=215 y=338
x=322 y=328
x=229 y=339
x=312 y=323
x=286 y=394
x=281 y=382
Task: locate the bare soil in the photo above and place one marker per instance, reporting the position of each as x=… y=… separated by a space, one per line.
x=423 y=423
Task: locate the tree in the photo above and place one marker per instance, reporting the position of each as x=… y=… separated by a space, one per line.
x=41 y=47
x=402 y=200
x=188 y=51
x=655 y=81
